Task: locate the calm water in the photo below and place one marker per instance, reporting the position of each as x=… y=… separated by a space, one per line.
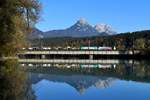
x=125 y=81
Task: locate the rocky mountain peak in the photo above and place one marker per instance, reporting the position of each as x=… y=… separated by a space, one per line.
x=104 y=28
x=82 y=21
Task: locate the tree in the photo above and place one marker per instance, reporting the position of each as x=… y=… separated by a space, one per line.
x=139 y=43
x=17 y=19
x=148 y=44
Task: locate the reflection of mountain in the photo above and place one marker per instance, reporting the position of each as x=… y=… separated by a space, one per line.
x=79 y=82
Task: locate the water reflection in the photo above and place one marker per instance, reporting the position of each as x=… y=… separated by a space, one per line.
x=13 y=82
x=76 y=81
x=80 y=82
x=119 y=81
x=128 y=71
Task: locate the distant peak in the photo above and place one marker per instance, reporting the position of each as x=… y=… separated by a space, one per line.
x=104 y=28
x=82 y=21
x=102 y=25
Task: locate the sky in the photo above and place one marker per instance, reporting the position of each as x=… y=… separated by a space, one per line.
x=122 y=15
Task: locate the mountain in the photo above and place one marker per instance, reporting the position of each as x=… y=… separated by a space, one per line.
x=103 y=28
x=36 y=34
x=81 y=29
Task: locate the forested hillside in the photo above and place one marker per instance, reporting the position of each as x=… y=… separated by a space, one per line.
x=122 y=41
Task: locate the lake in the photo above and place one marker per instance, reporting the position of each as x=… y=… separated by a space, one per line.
x=114 y=80
x=122 y=81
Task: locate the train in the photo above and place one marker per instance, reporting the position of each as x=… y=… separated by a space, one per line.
x=100 y=48
x=95 y=48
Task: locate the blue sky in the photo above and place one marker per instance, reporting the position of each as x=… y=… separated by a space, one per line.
x=122 y=15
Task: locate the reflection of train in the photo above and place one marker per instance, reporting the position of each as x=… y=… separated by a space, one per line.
x=95 y=48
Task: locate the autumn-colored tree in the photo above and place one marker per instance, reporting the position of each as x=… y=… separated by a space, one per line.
x=17 y=18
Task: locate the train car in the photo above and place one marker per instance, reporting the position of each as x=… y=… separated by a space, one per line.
x=46 y=48
x=88 y=48
x=95 y=48
x=104 y=48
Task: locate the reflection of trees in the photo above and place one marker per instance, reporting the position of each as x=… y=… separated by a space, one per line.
x=12 y=81
x=137 y=72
